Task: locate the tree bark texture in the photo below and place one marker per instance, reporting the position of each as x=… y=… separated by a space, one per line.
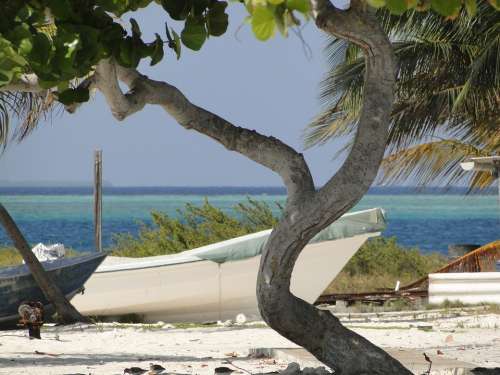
x=65 y=311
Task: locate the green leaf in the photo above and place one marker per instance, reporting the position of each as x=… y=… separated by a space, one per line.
x=302 y=6
x=42 y=49
x=48 y=76
x=263 y=23
x=446 y=7
x=61 y=86
x=199 y=7
x=67 y=44
x=62 y=9
x=136 y=31
x=110 y=36
x=177 y=41
x=19 y=33
x=275 y=2
x=376 y=3
x=24 y=13
x=5 y=77
x=91 y=47
x=17 y=60
x=217 y=19
x=397 y=6
x=25 y=46
x=129 y=55
x=70 y=96
x=177 y=9
x=194 y=33
x=157 y=54
x=72 y=44
x=9 y=57
x=471 y=7
x=21 y=37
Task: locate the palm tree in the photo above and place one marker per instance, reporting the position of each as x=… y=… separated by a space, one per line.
x=447 y=96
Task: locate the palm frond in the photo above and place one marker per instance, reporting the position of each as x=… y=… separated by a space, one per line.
x=27 y=109
x=438 y=160
x=448 y=78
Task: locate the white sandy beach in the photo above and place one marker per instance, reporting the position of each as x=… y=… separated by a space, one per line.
x=109 y=348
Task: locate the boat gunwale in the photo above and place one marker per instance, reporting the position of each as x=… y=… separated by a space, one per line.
x=22 y=270
x=132 y=266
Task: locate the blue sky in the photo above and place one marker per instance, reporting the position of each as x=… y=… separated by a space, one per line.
x=271 y=87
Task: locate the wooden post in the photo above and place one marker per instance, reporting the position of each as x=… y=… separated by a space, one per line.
x=98 y=199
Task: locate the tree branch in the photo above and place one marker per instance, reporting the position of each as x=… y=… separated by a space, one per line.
x=267 y=151
x=121 y=105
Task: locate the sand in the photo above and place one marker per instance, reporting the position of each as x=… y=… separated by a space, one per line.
x=110 y=348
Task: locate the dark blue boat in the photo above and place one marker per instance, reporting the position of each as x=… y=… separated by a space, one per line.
x=17 y=283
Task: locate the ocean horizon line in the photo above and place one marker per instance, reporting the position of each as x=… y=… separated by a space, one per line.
x=220 y=190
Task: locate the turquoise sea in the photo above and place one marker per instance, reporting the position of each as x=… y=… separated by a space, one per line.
x=429 y=220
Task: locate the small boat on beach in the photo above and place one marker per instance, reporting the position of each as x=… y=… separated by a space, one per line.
x=218 y=281
x=17 y=284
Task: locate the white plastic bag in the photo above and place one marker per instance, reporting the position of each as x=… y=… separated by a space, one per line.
x=49 y=252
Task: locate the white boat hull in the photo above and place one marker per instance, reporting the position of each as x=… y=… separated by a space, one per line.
x=203 y=291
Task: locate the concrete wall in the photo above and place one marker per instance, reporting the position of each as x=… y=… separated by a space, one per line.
x=466 y=287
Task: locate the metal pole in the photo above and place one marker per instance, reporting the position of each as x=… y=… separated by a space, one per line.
x=98 y=199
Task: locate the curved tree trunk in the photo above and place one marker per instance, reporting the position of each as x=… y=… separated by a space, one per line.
x=319 y=331
x=65 y=311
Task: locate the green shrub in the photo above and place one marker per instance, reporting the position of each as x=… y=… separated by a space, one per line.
x=380 y=263
x=195 y=226
x=10 y=256
x=384 y=255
